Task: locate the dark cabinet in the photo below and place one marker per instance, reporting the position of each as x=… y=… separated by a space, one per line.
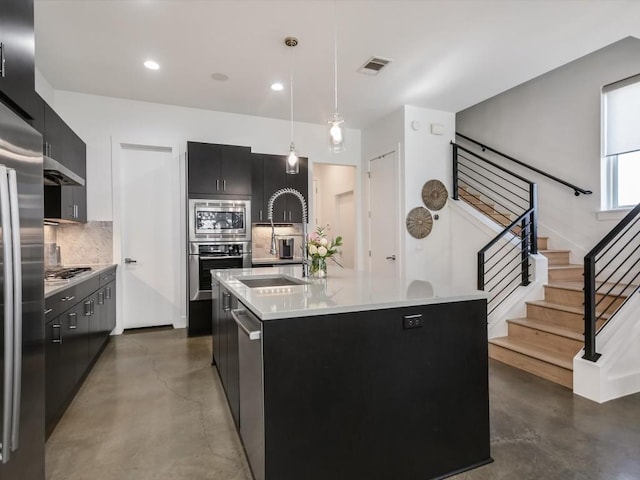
x=67 y=203
x=85 y=314
x=286 y=209
x=17 y=80
x=218 y=169
x=227 y=357
x=258 y=212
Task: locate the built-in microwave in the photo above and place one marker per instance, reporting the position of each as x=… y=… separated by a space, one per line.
x=219 y=220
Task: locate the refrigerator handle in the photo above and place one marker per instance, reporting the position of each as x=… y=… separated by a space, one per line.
x=7 y=409
x=17 y=307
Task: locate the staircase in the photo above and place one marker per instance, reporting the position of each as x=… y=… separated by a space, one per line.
x=546 y=340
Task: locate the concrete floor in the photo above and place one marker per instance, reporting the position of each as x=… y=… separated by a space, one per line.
x=153 y=408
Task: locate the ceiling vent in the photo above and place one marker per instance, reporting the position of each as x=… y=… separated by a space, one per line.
x=374 y=65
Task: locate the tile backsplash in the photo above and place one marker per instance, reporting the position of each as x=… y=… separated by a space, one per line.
x=261 y=240
x=87 y=243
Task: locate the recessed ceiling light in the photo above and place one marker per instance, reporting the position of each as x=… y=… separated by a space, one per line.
x=278 y=87
x=220 y=77
x=151 y=65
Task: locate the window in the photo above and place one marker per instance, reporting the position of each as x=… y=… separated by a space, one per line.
x=621 y=146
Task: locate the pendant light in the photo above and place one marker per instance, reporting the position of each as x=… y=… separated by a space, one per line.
x=293 y=164
x=336 y=133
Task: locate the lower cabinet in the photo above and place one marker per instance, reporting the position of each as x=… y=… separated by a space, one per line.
x=74 y=340
x=225 y=351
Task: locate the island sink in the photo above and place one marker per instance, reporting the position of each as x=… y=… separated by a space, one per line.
x=257 y=281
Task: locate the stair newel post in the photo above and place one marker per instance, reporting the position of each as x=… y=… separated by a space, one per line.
x=481 y=270
x=590 y=309
x=455 y=171
x=533 y=230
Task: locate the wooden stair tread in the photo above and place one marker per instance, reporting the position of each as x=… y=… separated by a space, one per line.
x=548 y=327
x=548 y=356
x=562 y=308
x=567 y=266
x=551 y=250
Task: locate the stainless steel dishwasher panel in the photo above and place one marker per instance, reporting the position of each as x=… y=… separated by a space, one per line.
x=251 y=389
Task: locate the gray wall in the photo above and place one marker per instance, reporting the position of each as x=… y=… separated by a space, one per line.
x=553 y=122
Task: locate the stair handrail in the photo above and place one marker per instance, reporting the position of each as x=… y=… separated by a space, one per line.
x=576 y=190
x=527 y=221
x=590 y=273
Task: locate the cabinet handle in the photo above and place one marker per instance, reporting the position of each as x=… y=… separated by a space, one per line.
x=217 y=185
x=48 y=311
x=260 y=215
x=2 y=68
x=101 y=298
x=87 y=309
x=68 y=298
x=108 y=294
x=224 y=185
x=73 y=316
x=75 y=211
x=284 y=216
x=289 y=215
x=226 y=300
x=59 y=339
x=92 y=306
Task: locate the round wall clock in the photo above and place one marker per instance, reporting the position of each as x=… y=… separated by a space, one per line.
x=434 y=194
x=419 y=222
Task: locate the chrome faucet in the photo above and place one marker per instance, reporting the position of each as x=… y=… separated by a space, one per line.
x=303 y=204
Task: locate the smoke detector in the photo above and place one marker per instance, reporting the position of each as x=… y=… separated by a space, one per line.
x=374 y=65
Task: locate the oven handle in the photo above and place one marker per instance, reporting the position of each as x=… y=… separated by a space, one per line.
x=224 y=257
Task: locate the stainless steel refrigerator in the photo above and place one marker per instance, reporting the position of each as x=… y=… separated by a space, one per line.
x=22 y=300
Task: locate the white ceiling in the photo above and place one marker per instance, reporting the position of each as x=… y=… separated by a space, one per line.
x=447 y=54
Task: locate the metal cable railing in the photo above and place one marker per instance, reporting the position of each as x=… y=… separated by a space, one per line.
x=611 y=273
x=503 y=264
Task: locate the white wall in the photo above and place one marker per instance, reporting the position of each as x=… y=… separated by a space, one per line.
x=44 y=88
x=553 y=122
x=423 y=156
x=97 y=119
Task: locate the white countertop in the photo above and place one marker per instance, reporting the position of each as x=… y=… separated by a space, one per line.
x=51 y=287
x=342 y=291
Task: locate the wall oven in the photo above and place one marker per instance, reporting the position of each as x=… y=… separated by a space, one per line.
x=219 y=220
x=204 y=257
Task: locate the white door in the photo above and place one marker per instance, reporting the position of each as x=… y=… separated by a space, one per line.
x=150 y=236
x=346 y=215
x=384 y=225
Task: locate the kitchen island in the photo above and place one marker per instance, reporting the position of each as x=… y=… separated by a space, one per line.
x=353 y=376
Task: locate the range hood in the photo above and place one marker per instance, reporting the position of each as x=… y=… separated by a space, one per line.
x=57 y=174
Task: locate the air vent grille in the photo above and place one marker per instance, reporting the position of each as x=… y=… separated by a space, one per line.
x=374 y=65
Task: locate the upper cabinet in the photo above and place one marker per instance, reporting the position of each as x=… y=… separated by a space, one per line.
x=218 y=169
x=17 y=81
x=286 y=208
x=66 y=203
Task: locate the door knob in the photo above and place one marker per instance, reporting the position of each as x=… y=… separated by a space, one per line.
x=130 y=260
x=392 y=257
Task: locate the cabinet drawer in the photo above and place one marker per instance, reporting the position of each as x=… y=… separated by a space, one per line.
x=63 y=301
x=107 y=276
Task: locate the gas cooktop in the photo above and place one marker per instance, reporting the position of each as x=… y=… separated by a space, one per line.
x=65 y=273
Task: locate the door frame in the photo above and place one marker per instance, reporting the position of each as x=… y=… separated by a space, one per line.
x=179 y=156
x=400 y=264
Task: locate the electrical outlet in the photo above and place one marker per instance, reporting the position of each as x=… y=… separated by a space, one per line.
x=412 y=321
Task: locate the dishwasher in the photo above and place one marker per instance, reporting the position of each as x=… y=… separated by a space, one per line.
x=251 y=388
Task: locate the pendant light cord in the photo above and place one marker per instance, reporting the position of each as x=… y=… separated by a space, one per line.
x=335 y=53
x=291 y=92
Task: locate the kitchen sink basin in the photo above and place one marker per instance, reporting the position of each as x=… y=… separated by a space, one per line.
x=257 y=281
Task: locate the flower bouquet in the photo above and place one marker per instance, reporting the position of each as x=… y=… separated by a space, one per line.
x=319 y=249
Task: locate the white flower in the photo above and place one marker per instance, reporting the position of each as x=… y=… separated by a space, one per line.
x=313 y=249
x=322 y=251
x=324 y=242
